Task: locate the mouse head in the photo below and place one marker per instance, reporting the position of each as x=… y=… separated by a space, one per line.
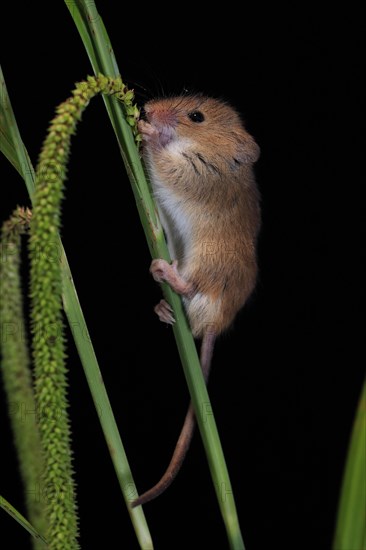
x=201 y=122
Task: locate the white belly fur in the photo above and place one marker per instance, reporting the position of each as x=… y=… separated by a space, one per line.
x=174 y=220
x=202 y=311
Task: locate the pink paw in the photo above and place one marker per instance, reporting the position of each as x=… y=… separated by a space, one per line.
x=147 y=131
x=164 y=272
x=164 y=312
x=160 y=270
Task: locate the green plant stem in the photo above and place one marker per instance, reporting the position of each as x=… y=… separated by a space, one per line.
x=16 y=370
x=98 y=47
x=102 y=404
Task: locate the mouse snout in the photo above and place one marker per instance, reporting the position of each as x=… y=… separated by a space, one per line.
x=160 y=117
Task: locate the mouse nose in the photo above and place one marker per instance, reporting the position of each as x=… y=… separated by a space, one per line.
x=161 y=116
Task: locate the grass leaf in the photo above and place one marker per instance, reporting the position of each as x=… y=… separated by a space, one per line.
x=351 y=522
x=11 y=143
x=9 y=509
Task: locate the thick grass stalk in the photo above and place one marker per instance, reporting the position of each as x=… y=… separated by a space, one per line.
x=47 y=321
x=100 y=51
x=15 y=366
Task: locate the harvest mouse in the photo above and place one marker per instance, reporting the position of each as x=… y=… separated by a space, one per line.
x=200 y=160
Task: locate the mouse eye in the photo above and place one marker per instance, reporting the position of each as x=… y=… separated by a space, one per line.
x=196 y=116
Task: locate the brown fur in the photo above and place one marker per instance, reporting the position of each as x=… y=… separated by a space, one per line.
x=202 y=174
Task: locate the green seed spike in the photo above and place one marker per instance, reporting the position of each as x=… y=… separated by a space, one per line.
x=15 y=366
x=47 y=320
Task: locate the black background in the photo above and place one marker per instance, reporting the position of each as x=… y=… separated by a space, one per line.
x=286 y=379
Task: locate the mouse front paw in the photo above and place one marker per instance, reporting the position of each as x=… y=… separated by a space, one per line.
x=147 y=131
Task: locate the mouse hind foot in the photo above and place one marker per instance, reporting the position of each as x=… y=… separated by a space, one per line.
x=164 y=312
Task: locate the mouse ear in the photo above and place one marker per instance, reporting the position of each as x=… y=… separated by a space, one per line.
x=247 y=151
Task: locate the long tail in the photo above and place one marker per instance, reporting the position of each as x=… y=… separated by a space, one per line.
x=186 y=434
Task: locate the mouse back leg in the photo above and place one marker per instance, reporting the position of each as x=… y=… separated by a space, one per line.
x=162 y=271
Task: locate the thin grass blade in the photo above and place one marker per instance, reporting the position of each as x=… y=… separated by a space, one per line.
x=9 y=509
x=351 y=522
x=11 y=143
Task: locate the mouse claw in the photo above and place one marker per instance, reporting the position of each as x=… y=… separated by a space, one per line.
x=164 y=312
